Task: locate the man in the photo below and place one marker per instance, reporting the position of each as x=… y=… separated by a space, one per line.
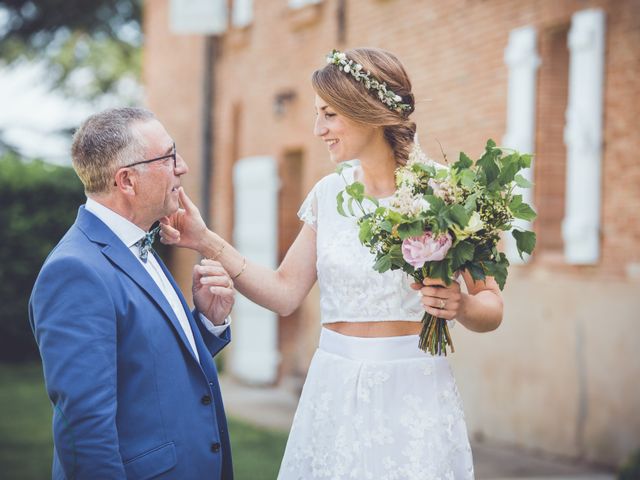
x=128 y=368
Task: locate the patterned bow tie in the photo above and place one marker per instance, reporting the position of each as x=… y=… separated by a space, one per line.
x=146 y=242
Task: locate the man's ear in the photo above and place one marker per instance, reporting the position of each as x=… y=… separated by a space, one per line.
x=125 y=180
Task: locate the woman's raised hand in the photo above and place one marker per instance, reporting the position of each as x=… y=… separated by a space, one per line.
x=185 y=228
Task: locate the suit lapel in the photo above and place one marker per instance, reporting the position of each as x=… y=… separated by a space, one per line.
x=203 y=351
x=118 y=253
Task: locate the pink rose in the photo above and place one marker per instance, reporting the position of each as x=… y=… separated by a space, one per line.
x=427 y=248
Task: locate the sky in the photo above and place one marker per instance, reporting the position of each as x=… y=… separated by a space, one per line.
x=36 y=120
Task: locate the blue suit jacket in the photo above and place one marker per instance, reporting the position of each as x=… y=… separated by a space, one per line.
x=129 y=398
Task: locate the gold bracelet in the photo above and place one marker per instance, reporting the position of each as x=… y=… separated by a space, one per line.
x=244 y=266
x=217 y=254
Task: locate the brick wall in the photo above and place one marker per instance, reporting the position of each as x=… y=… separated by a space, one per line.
x=453 y=52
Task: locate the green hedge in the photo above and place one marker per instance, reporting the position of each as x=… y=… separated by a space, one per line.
x=38 y=203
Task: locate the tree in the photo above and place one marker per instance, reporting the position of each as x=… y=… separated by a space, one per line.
x=89 y=47
x=39 y=203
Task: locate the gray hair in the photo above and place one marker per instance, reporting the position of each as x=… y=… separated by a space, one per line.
x=104 y=143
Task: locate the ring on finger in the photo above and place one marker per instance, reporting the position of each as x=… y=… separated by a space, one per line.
x=443 y=304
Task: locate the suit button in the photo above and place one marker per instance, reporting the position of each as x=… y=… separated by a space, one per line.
x=206 y=400
x=215 y=447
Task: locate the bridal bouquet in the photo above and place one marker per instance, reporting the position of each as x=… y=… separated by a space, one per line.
x=443 y=220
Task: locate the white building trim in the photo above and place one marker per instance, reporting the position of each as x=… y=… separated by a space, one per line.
x=521 y=57
x=254 y=350
x=583 y=137
x=242 y=13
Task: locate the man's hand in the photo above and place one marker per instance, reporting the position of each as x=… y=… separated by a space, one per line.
x=213 y=293
x=185 y=228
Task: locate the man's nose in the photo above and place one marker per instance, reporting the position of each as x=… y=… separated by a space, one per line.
x=181 y=165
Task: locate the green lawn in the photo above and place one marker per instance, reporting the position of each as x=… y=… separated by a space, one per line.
x=25 y=433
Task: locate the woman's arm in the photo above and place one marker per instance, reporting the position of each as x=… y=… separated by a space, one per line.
x=281 y=290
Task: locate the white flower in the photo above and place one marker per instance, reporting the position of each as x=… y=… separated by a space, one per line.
x=347 y=68
x=397 y=98
x=421 y=205
x=358 y=67
x=406 y=203
x=439 y=189
x=342 y=56
x=406 y=176
x=417 y=155
x=474 y=225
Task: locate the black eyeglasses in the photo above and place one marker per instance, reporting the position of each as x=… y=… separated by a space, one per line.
x=170 y=155
x=163 y=157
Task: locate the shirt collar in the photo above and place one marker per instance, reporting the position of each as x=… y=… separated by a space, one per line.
x=125 y=230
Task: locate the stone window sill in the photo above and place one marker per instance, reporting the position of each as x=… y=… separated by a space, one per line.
x=238 y=37
x=304 y=15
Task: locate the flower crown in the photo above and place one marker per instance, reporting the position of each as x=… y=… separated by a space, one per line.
x=386 y=96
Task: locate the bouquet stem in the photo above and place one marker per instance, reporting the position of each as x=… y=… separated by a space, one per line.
x=435 y=337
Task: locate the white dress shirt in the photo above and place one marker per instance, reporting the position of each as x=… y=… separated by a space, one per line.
x=130 y=233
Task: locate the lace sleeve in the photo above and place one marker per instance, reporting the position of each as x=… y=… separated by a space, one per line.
x=308 y=212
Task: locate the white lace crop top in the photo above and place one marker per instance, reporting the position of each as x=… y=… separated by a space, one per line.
x=350 y=289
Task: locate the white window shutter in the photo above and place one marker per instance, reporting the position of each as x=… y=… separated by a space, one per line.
x=242 y=13
x=521 y=57
x=254 y=350
x=583 y=138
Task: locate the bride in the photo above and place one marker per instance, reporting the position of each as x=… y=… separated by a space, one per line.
x=373 y=406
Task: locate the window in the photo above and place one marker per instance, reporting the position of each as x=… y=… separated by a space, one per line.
x=242 y=13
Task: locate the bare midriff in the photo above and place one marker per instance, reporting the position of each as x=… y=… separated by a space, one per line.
x=393 y=328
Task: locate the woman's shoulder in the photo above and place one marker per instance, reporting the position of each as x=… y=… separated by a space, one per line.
x=335 y=181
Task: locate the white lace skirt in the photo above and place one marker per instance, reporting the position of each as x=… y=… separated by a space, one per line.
x=377 y=408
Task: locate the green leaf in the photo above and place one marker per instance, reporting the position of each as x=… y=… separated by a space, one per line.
x=442 y=173
x=340 y=200
x=523 y=182
x=510 y=167
x=365 y=230
x=463 y=163
x=356 y=190
x=470 y=202
x=441 y=270
x=414 y=229
x=521 y=210
x=459 y=215
x=489 y=166
x=468 y=178
x=462 y=253
x=387 y=226
x=490 y=144
x=382 y=264
x=436 y=204
x=525 y=241
x=342 y=167
x=498 y=270
x=525 y=160
x=395 y=254
x=476 y=271
x=424 y=167
x=394 y=216
x=350 y=206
